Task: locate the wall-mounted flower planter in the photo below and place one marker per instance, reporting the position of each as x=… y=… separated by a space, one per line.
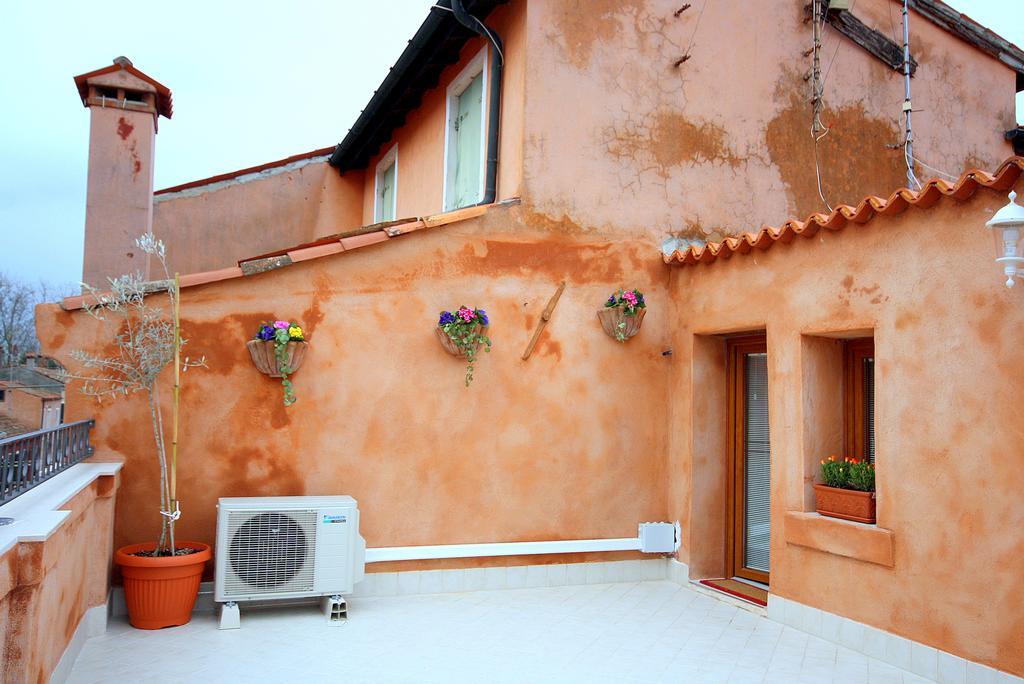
x=618 y=325
x=847 y=504
x=462 y=332
x=262 y=353
x=449 y=344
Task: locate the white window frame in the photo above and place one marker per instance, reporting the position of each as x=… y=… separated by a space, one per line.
x=476 y=66
x=382 y=166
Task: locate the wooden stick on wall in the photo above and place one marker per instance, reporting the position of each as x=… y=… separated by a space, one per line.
x=544 y=318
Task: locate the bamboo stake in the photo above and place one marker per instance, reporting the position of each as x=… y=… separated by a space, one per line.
x=544 y=318
x=174 y=407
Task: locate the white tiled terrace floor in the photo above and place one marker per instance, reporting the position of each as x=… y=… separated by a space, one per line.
x=626 y=632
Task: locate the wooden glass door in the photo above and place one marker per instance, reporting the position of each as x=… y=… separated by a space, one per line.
x=749 y=529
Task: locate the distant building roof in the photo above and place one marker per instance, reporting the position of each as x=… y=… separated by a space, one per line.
x=11 y=428
x=31 y=381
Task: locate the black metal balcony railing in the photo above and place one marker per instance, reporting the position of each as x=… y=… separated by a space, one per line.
x=29 y=459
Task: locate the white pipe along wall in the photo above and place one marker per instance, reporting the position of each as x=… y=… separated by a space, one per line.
x=651 y=538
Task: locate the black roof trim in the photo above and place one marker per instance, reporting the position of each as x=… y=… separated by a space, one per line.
x=967 y=29
x=435 y=46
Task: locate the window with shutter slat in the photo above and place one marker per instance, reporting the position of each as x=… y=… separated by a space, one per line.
x=859 y=397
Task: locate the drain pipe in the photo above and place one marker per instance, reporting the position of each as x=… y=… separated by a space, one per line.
x=494 y=105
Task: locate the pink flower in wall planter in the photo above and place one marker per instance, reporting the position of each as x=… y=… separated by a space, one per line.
x=623 y=313
x=462 y=332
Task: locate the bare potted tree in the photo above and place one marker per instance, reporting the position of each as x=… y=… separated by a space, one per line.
x=161 y=578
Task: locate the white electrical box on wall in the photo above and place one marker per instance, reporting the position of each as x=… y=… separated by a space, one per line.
x=657 y=537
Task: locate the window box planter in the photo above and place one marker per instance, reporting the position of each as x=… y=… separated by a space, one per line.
x=846 y=504
x=262 y=353
x=618 y=325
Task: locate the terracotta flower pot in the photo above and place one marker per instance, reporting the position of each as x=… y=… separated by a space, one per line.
x=449 y=344
x=161 y=591
x=262 y=353
x=612 y=316
x=848 y=504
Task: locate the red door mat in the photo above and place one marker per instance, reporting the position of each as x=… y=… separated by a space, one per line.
x=747 y=592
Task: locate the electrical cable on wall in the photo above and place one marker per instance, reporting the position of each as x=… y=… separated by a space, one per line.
x=818 y=129
x=908 y=137
x=693 y=36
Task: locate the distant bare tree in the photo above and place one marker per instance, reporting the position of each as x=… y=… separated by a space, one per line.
x=18 y=301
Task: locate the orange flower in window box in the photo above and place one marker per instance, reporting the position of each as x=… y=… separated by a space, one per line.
x=849 y=489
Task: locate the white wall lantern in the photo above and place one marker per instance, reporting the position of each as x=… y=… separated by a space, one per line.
x=1008 y=229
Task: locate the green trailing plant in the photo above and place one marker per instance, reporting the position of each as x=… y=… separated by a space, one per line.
x=848 y=473
x=282 y=332
x=146 y=340
x=466 y=328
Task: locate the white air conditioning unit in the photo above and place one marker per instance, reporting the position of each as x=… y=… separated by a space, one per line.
x=287 y=547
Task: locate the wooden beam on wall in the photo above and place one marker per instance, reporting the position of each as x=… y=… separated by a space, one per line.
x=875 y=42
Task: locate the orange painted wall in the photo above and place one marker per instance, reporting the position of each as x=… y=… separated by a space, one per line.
x=120 y=185
x=23 y=407
x=46 y=587
x=948 y=421
x=421 y=140
x=600 y=133
x=213 y=227
x=566 y=445
x=618 y=138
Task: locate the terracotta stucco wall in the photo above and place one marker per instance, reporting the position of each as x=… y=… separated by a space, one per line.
x=569 y=444
x=619 y=138
x=948 y=419
x=213 y=227
x=46 y=587
x=421 y=141
x=120 y=186
x=23 y=407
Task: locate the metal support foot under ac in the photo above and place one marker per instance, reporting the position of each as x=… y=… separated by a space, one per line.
x=335 y=609
x=230 y=616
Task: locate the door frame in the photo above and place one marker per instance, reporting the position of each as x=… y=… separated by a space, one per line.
x=736 y=347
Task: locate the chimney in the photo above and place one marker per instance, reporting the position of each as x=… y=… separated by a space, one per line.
x=124 y=106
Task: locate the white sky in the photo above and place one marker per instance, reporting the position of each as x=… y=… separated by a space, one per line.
x=251 y=82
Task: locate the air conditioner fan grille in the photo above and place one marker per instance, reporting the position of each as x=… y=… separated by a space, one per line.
x=270 y=552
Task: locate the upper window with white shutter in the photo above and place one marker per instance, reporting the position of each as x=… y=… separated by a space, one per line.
x=386 y=187
x=465 y=135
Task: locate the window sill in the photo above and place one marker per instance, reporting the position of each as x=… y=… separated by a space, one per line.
x=868 y=543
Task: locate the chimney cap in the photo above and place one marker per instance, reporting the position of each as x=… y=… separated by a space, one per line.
x=164 y=103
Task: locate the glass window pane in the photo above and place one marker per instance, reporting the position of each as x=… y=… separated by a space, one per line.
x=757 y=463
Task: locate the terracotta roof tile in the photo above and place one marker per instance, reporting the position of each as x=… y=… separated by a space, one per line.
x=931 y=192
